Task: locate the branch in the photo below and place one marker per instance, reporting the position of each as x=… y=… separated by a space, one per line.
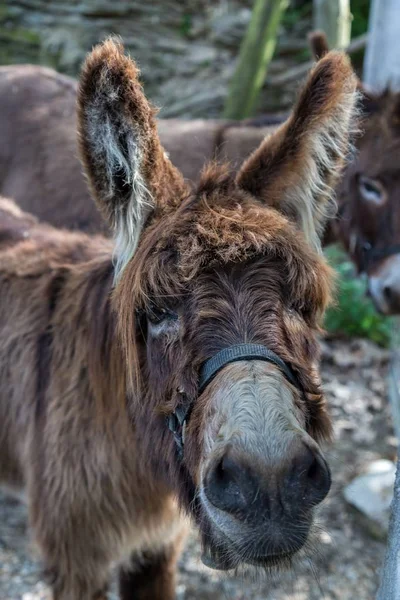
x=255 y=54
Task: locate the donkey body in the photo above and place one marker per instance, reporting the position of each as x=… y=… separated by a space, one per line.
x=39 y=166
x=208 y=318
x=91 y=499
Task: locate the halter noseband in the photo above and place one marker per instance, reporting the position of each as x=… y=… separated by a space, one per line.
x=371 y=254
x=177 y=420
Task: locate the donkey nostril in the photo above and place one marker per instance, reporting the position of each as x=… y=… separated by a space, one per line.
x=222 y=475
x=313 y=471
x=317 y=478
x=225 y=484
x=388 y=293
x=224 y=472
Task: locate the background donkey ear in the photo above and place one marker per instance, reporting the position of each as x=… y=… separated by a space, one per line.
x=296 y=168
x=127 y=168
x=318 y=44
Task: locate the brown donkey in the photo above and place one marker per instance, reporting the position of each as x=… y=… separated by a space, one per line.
x=185 y=375
x=368 y=219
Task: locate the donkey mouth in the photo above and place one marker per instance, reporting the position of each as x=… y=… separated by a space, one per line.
x=226 y=560
x=223 y=554
x=271 y=547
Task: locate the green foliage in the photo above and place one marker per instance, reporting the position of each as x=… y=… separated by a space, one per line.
x=354 y=313
x=295 y=13
x=186 y=25
x=360 y=12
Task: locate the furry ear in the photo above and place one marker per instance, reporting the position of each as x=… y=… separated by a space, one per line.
x=128 y=171
x=318 y=44
x=296 y=168
x=369 y=103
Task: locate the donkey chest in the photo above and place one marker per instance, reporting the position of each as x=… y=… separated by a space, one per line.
x=150 y=532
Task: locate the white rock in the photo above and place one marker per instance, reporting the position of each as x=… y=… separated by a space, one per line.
x=372 y=493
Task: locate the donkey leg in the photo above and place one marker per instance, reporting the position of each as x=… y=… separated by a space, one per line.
x=150 y=577
x=64 y=587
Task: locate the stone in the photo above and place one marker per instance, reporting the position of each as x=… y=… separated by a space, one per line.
x=371 y=494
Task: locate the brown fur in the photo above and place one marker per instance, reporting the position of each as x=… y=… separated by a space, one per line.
x=87 y=376
x=39 y=166
x=318 y=44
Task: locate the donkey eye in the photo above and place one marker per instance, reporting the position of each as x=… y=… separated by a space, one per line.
x=157 y=314
x=371 y=190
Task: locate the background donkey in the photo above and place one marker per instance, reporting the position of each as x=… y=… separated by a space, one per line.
x=39 y=166
x=368 y=221
x=217 y=299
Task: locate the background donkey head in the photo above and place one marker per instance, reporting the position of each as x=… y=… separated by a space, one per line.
x=235 y=261
x=369 y=194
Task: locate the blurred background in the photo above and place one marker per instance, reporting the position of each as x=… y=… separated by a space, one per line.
x=203 y=59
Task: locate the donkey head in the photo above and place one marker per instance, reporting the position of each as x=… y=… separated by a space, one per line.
x=369 y=197
x=219 y=292
x=369 y=194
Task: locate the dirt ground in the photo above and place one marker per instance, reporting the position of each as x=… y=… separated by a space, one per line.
x=346 y=562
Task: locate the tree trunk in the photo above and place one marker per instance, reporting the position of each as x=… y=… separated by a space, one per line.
x=255 y=55
x=333 y=17
x=382 y=59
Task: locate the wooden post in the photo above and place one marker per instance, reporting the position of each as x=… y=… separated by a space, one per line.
x=389 y=588
x=333 y=17
x=382 y=58
x=255 y=54
x=390 y=577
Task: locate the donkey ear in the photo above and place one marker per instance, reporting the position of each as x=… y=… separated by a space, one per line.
x=318 y=44
x=319 y=48
x=296 y=168
x=128 y=171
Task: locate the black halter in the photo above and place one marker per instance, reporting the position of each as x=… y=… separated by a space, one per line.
x=371 y=254
x=177 y=420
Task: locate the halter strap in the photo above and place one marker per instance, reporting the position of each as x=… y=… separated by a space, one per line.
x=242 y=352
x=371 y=254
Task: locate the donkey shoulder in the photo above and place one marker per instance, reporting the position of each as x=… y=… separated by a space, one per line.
x=28 y=247
x=15 y=225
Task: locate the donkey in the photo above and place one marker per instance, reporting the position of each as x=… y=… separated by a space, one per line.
x=180 y=374
x=368 y=219
x=39 y=166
